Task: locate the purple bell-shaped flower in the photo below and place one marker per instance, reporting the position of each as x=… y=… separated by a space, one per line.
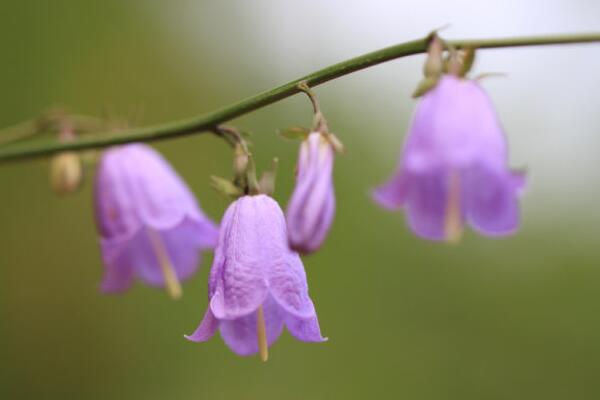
x=149 y=222
x=454 y=166
x=257 y=285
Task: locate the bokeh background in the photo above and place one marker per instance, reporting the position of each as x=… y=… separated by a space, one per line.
x=513 y=318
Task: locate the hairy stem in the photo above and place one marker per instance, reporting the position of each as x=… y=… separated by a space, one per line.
x=207 y=122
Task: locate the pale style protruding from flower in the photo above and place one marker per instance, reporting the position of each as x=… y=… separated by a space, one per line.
x=454 y=167
x=257 y=285
x=150 y=224
x=311 y=207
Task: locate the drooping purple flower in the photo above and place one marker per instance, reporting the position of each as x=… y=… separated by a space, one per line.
x=150 y=224
x=454 y=167
x=257 y=284
x=312 y=205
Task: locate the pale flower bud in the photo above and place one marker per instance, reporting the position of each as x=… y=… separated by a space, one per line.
x=66 y=172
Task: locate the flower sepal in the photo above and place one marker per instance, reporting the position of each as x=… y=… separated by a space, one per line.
x=294 y=133
x=424 y=86
x=268 y=178
x=433 y=67
x=225 y=187
x=335 y=142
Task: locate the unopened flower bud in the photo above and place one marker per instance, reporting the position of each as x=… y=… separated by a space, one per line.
x=312 y=205
x=65 y=172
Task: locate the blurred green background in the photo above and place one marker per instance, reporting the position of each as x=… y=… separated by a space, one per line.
x=495 y=319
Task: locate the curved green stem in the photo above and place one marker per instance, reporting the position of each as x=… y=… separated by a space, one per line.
x=208 y=122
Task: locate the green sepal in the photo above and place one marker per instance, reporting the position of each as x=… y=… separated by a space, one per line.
x=245 y=134
x=225 y=187
x=267 y=180
x=468 y=60
x=294 y=133
x=335 y=142
x=425 y=86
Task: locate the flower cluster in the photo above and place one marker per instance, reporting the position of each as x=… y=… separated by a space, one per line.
x=453 y=170
x=151 y=227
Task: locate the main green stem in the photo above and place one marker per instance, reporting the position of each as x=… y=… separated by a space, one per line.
x=207 y=122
